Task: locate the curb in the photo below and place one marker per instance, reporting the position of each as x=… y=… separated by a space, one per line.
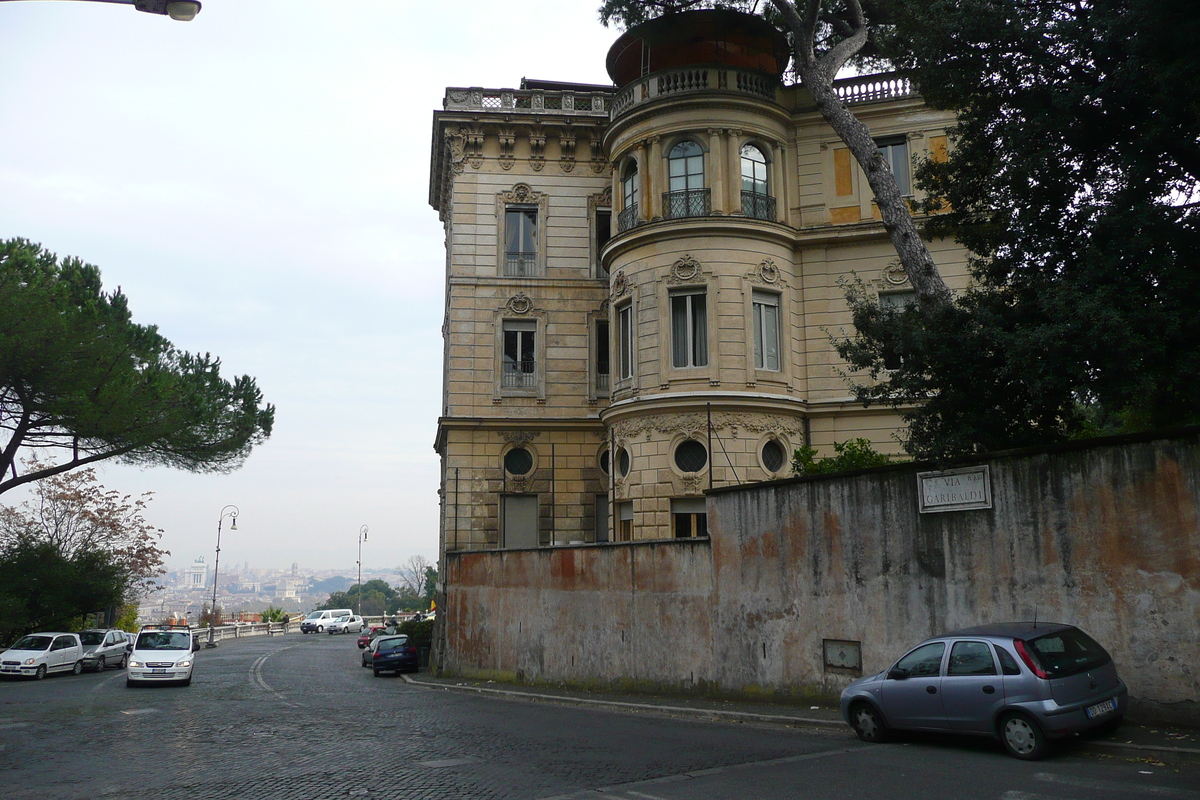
x=1107 y=749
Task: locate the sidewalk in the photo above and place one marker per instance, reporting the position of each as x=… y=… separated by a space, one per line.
x=1133 y=742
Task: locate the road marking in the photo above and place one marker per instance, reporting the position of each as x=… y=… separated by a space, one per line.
x=8 y=726
x=1125 y=788
x=132 y=712
x=256 y=676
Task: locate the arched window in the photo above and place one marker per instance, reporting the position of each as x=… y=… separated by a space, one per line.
x=756 y=195
x=687 y=196
x=629 y=198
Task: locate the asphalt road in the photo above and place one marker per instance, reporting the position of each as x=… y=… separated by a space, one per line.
x=296 y=717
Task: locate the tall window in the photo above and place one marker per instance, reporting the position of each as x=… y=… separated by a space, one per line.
x=766 y=330
x=756 y=198
x=625 y=349
x=628 y=217
x=689 y=330
x=625 y=521
x=603 y=234
x=520 y=242
x=602 y=360
x=519 y=362
x=898 y=301
x=519 y=520
x=689 y=517
x=895 y=153
x=687 y=196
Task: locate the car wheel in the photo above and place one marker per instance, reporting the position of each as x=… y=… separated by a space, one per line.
x=377 y=673
x=320 y=629
x=78 y=668
x=124 y=662
x=130 y=684
x=186 y=681
x=868 y=723
x=1022 y=737
x=100 y=664
x=40 y=673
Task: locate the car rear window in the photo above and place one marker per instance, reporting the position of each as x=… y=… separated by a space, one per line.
x=91 y=637
x=1068 y=652
x=393 y=644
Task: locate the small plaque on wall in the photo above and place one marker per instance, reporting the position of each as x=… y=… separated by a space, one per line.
x=955 y=489
x=842 y=655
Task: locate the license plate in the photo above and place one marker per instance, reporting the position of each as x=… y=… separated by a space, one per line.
x=1100 y=709
x=164 y=672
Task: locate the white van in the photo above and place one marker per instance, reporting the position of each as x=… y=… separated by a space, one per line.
x=318 y=621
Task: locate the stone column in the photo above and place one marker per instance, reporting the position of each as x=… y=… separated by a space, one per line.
x=779 y=186
x=735 y=170
x=654 y=183
x=716 y=160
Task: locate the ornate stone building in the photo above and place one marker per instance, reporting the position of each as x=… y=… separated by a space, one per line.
x=642 y=281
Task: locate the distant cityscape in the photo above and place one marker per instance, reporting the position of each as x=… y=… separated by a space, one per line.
x=244 y=590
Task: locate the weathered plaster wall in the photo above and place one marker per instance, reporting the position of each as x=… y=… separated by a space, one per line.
x=1104 y=535
x=636 y=613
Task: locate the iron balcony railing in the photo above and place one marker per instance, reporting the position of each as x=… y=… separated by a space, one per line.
x=602 y=381
x=519 y=375
x=520 y=265
x=628 y=218
x=687 y=203
x=758 y=206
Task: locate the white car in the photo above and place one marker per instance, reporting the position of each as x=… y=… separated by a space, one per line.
x=38 y=654
x=165 y=654
x=347 y=624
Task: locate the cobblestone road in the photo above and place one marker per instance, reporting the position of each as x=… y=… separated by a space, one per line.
x=296 y=717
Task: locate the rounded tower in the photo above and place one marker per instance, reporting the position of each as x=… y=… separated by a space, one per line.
x=704 y=291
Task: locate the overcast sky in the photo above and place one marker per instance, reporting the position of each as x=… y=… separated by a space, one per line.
x=256 y=181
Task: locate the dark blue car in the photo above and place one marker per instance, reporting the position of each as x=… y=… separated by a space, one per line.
x=394 y=654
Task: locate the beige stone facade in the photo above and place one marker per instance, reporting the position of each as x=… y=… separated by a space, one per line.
x=626 y=324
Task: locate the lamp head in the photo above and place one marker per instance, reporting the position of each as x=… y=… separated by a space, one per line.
x=233 y=524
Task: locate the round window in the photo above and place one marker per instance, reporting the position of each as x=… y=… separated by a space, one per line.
x=773 y=455
x=691 y=456
x=623 y=462
x=605 y=466
x=518 y=461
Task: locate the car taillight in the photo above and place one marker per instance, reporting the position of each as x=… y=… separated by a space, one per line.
x=1029 y=659
x=377 y=654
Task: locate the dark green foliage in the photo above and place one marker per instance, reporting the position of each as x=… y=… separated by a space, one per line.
x=41 y=589
x=851 y=455
x=419 y=633
x=1073 y=179
x=78 y=376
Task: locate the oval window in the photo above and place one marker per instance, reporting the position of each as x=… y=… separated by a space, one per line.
x=773 y=455
x=518 y=461
x=605 y=466
x=690 y=456
x=623 y=462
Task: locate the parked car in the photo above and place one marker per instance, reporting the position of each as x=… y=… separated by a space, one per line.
x=350 y=623
x=367 y=634
x=319 y=620
x=38 y=654
x=163 y=654
x=104 y=648
x=392 y=654
x=1024 y=683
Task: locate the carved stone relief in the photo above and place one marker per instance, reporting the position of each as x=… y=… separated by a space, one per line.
x=894 y=275
x=519 y=303
x=537 y=148
x=768 y=272
x=620 y=284
x=521 y=194
x=519 y=438
x=685 y=270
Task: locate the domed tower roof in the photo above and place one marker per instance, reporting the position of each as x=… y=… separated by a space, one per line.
x=694 y=38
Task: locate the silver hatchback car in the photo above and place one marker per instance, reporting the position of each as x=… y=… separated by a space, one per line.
x=1024 y=683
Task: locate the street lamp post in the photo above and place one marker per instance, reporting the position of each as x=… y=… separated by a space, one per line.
x=232 y=512
x=362 y=537
x=181 y=10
